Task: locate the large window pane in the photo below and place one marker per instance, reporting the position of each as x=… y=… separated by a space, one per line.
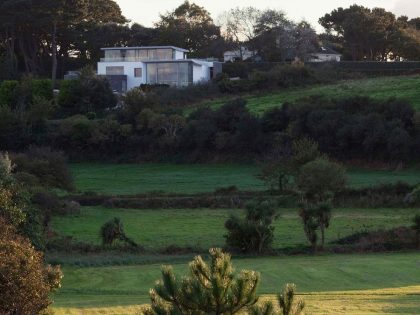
x=114 y=70
x=112 y=54
x=151 y=73
x=172 y=73
x=164 y=54
x=168 y=73
x=183 y=73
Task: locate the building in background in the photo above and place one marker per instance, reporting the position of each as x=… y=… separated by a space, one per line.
x=129 y=67
x=241 y=54
x=324 y=54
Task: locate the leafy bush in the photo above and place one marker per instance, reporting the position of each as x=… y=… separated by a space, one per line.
x=49 y=166
x=255 y=232
x=112 y=231
x=25 y=282
x=9 y=92
x=90 y=93
x=41 y=88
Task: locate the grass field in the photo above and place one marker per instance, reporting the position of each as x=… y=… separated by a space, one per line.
x=404 y=87
x=193 y=178
x=393 y=281
x=204 y=228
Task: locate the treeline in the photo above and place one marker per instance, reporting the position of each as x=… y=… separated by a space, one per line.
x=355 y=128
x=47 y=38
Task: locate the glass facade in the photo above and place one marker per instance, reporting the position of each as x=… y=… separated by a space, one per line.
x=139 y=54
x=171 y=73
x=114 y=70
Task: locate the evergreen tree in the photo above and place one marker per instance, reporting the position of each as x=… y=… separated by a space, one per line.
x=212 y=288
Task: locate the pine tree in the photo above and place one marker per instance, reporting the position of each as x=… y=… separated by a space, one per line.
x=287 y=302
x=212 y=288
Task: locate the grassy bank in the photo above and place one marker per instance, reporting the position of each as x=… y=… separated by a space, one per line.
x=381 y=88
x=317 y=277
x=204 y=228
x=194 y=178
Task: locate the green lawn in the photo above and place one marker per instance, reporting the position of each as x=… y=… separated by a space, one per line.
x=129 y=285
x=404 y=87
x=204 y=228
x=194 y=178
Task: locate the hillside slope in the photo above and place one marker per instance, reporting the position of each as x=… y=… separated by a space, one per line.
x=404 y=87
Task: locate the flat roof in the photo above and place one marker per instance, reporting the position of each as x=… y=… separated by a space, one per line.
x=195 y=61
x=145 y=47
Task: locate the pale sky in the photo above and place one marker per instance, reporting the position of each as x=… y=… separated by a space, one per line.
x=146 y=12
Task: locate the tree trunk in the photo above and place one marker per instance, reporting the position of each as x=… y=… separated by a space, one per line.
x=54 y=55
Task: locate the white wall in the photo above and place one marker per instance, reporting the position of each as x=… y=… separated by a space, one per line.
x=201 y=71
x=179 y=54
x=325 y=57
x=129 y=67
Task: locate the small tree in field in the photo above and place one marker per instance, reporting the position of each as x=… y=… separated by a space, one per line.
x=314 y=218
x=287 y=303
x=310 y=226
x=211 y=288
x=112 y=231
x=320 y=179
x=255 y=232
x=323 y=216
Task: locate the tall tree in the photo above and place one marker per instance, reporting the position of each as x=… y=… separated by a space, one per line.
x=189 y=26
x=238 y=26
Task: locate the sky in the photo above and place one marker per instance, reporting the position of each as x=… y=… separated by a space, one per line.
x=146 y=12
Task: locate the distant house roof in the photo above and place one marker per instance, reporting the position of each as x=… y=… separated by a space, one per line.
x=145 y=47
x=326 y=51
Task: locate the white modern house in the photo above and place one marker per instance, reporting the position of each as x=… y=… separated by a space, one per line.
x=129 y=67
x=324 y=54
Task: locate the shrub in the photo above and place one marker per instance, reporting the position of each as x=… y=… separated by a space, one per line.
x=41 y=88
x=112 y=231
x=9 y=92
x=287 y=303
x=49 y=166
x=25 y=282
x=70 y=98
x=208 y=289
x=255 y=232
x=90 y=93
x=10 y=208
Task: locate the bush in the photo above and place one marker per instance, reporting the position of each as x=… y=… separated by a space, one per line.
x=42 y=88
x=25 y=282
x=255 y=232
x=70 y=98
x=90 y=93
x=49 y=166
x=9 y=92
x=112 y=231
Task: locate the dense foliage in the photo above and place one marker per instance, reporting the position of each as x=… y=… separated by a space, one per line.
x=25 y=282
x=255 y=232
x=113 y=230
